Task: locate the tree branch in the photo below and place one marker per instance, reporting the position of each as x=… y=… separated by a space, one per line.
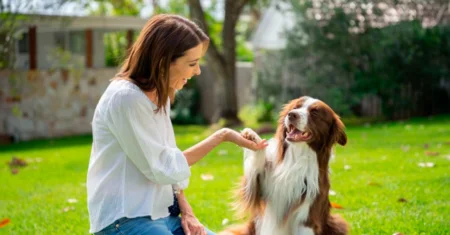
x=197 y=14
x=240 y=4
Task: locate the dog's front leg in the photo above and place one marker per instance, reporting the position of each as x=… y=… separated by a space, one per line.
x=254 y=162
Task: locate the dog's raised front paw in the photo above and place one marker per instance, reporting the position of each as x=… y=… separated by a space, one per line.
x=251 y=135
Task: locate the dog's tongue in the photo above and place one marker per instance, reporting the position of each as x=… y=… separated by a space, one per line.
x=294 y=133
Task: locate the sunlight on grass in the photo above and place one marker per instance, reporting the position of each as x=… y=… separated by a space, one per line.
x=376 y=178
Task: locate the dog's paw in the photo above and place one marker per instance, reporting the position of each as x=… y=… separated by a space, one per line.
x=251 y=135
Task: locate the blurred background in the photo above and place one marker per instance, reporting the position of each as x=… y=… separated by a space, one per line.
x=368 y=59
x=383 y=66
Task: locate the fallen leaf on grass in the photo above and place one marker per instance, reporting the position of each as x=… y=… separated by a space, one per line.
x=403 y=200
x=71 y=208
x=4 y=222
x=405 y=148
x=426 y=164
x=431 y=154
x=17 y=162
x=72 y=200
x=336 y=206
x=331 y=193
x=425 y=146
x=14 y=171
x=207 y=177
x=347 y=167
x=223 y=152
x=397 y=234
x=225 y=221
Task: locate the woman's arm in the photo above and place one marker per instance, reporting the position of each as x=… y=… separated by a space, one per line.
x=189 y=222
x=198 y=151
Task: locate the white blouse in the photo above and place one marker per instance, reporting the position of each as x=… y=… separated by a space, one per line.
x=135 y=164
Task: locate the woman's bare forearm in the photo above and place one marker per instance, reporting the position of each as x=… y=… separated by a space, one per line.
x=198 y=151
x=185 y=208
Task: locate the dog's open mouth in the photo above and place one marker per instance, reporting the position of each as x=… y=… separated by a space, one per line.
x=293 y=134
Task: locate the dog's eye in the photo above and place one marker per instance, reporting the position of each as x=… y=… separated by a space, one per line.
x=314 y=111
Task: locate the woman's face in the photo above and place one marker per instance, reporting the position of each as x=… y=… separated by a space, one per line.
x=183 y=68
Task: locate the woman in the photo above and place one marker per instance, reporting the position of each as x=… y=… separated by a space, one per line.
x=135 y=167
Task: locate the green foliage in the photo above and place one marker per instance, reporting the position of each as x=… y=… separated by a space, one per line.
x=118 y=7
x=63 y=59
x=115 y=48
x=243 y=52
x=262 y=112
x=186 y=108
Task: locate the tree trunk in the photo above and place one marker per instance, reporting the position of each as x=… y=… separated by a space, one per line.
x=223 y=64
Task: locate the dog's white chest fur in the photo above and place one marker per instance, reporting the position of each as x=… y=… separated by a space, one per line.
x=283 y=186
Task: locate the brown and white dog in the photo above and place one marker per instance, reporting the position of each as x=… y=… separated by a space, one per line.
x=285 y=187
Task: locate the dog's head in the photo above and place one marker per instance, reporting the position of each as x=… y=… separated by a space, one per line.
x=312 y=121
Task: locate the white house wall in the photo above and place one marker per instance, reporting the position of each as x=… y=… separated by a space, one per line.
x=270 y=33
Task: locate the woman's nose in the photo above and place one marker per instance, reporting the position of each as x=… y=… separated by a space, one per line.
x=198 y=71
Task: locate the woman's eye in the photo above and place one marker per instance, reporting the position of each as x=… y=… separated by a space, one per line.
x=192 y=65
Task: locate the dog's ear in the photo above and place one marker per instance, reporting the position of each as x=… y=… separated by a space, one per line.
x=338 y=133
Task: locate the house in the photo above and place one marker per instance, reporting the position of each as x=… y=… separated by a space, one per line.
x=60 y=74
x=81 y=36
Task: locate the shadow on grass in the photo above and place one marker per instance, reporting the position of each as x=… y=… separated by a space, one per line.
x=43 y=144
x=71 y=141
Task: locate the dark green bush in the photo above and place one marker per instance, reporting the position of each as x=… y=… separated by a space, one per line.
x=186 y=108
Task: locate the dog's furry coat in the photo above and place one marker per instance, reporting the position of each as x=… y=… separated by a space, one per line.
x=285 y=187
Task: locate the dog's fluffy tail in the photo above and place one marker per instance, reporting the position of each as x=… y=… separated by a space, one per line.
x=337 y=225
x=243 y=229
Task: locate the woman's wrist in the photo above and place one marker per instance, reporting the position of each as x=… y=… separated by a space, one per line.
x=223 y=134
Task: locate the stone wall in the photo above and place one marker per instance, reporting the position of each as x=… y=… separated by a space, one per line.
x=46 y=104
x=43 y=104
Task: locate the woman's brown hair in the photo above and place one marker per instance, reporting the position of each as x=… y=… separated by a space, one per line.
x=163 y=39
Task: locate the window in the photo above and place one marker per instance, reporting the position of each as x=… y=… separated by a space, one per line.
x=23 y=43
x=60 y=40
x=77 y=42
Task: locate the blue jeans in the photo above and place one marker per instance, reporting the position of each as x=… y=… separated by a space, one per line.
x=170 y=225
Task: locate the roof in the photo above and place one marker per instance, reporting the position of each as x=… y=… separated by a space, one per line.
x=57 y=23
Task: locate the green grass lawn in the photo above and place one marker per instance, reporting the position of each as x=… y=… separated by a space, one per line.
x=383 y=161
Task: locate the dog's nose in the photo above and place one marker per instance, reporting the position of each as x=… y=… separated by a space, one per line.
x=293 y=116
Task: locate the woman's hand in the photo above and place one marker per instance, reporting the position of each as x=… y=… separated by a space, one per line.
x=233 y=136
x=191 y=225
